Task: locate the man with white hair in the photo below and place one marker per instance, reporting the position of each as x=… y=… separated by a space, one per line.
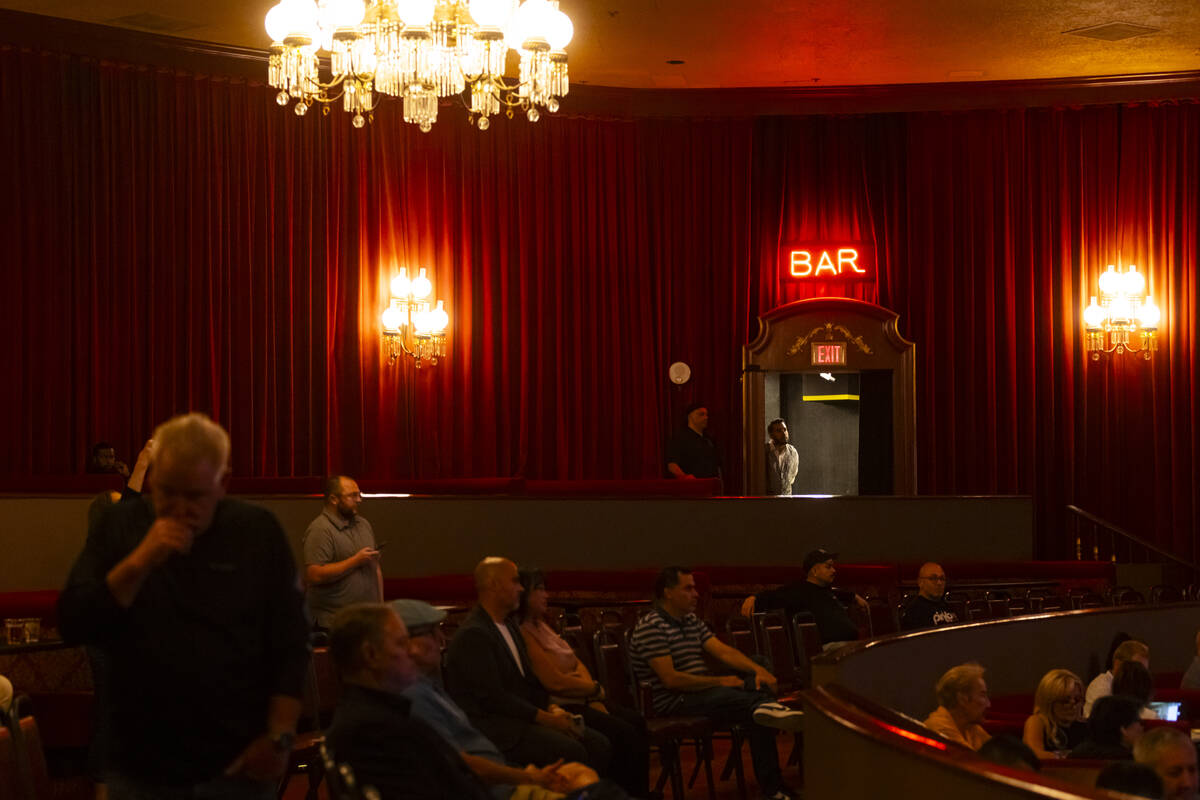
x=1171 y=754
x=194 y=599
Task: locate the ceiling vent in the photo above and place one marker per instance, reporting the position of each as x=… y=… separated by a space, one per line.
x=152 y=22
x=1113 y=31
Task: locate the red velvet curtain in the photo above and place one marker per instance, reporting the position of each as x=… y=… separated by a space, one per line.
x=173 y=241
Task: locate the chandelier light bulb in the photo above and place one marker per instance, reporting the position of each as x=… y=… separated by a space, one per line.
x=392 y=319
x=421 y=287
x=1093 y=315
x=1133 y=283
x=559 y=30
x=277 y=23
x=1110 y=281
x=527 y=24
x=415 y=13
x=301 y=16
x=1149 y=315
x=439 y=320
x=421 y=323
x=401 y=286
x=1120 y=310
x=491 y=13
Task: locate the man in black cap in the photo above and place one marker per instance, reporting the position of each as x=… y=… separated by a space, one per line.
x=813 y=595
x=690 y=453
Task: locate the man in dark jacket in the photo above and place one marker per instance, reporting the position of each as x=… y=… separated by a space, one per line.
x=813 y=595
x=488 y=674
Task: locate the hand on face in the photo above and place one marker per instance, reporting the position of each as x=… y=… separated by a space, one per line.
x=166 y=537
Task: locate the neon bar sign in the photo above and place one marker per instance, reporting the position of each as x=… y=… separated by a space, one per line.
x=850 y=261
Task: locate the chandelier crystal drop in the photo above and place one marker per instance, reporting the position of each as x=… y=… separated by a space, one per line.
x=421 y=51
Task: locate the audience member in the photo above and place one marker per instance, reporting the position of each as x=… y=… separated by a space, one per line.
x=1101 y=685
x=103 y=460
x=1009 y=751
x=1191 y=678
x=194 y=599
x=131 y=492
x=376 y=731
x=434 y=707
x=1130 y=778
x=1113 y=729
x=783 y=462
x=1171 y=754
x=1132 y=679
x=1056 y=725
x=341 y=561
x=668 y=648
x=690 y=452
x=570 y=684
x=928 y=609
x=962 y=699
x=6 y=694
x=489 y=675
x=813 y=595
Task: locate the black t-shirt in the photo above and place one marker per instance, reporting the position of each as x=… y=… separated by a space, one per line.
x=925 y=613
x=695 y=453
x=833 y=623
x=210 y=637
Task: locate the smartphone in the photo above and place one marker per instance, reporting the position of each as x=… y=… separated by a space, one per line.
x=381 y=545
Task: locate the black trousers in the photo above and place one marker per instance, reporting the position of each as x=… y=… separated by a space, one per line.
x=625 y=729
x=541 y=745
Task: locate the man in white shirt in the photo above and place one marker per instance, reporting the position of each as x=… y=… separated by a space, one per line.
x=1101 y=685
x=783 y=462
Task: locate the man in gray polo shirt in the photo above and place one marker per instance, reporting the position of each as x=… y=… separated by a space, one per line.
x=341 y=563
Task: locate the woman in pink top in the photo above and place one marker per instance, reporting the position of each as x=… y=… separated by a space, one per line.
x=572 y=686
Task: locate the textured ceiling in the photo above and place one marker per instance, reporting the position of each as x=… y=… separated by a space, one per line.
x=627 y=43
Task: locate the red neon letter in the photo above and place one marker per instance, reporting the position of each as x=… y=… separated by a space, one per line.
x=826 y=264
x=848 y=255
x=801 y=258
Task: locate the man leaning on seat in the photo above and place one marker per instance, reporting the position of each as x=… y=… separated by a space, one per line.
x=667 y=649
x=194 y=599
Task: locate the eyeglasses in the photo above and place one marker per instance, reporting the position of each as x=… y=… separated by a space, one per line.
x=934 y=578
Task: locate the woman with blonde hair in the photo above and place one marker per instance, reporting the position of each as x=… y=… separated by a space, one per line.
x=1056 y=725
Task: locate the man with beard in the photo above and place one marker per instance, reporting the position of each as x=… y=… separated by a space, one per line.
x=341 y=561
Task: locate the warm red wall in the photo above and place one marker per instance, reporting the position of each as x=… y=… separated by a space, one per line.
x=172 y=241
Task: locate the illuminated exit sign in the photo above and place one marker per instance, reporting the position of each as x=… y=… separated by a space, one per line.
x=829 y=353
x=849 y=261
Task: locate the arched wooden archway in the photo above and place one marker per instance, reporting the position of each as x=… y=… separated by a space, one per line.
x=870 y=340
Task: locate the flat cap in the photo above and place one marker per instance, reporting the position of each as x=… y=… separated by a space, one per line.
x=417 y=614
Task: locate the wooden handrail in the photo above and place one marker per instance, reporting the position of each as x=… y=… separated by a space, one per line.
x=1116 y=530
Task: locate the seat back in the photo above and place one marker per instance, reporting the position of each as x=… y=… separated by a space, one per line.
x=808 y=646
x=775 y=645
x=610 y=647
x=23 y=773
x=1127 y=596
x=740 y=635
x=340 y=783
x=1166 y=594
x=882 y=616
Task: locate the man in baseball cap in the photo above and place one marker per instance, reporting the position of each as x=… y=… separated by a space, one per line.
x=813 y=595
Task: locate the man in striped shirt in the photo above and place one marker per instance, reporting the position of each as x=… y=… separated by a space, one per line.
x=667 y=650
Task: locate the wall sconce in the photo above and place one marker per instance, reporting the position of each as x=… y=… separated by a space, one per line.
x=1124 y=311
x=410 y=326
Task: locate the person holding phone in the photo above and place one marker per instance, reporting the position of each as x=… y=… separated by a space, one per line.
x=341 y=559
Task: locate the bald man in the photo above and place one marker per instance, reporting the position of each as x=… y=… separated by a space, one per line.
x=488 y=674
x=928 y=609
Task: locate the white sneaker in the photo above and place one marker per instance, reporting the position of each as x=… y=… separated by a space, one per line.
x=776 y=715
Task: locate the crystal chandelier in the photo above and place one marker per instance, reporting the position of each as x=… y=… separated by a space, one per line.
x=1124 y=311
x=419 y=51
x=410 y=326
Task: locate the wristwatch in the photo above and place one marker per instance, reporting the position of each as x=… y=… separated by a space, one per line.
x=282 y=741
